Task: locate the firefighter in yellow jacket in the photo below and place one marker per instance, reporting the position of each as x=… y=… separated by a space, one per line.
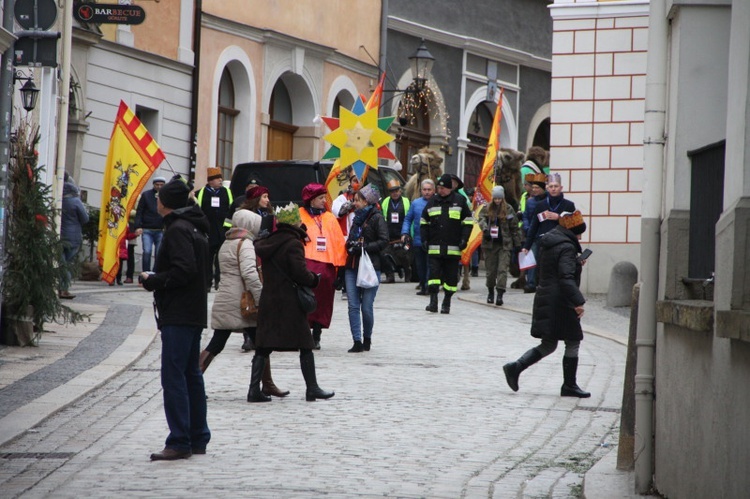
x=445 y=228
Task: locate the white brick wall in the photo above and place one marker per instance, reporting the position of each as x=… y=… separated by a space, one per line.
x=597 y=108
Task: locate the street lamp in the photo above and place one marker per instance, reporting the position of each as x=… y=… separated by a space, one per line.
x=29 y=92
x=421 y=65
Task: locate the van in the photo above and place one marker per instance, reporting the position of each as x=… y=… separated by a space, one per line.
x=285 y=179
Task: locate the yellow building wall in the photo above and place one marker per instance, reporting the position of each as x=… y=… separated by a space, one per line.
x=159 y=33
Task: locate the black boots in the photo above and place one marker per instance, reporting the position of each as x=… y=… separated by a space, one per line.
x=367 y=344
x=254 y=394
x=269 y=387
x=570 y=388
x=490 y=295
x=248 y=344
x=445 y=308
x=307 y=363
x=514 y=369
x=432 y=307
x=499 y=299
x=357 y=347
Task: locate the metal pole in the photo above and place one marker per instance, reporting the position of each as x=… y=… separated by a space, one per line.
x=6 y=115
x=62 y=110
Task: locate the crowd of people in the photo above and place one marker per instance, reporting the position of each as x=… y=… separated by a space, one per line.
x=205 y=240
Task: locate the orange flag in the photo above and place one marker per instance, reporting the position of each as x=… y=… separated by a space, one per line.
x=336 y=182
x=485 y=183
x=133 y=156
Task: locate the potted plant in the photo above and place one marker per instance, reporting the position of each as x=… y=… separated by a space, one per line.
x=34 y=266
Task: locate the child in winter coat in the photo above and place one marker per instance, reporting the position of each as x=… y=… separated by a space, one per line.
x=123 y=253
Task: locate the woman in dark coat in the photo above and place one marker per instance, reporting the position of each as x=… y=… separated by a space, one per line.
x=369 y=233
x=282 y=324
x=558 y=304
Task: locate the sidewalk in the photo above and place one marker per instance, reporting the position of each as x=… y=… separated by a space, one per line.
x=72 y=361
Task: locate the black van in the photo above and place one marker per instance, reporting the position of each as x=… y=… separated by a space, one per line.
x=285 y=179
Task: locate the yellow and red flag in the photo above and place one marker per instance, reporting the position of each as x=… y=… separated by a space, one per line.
x=338 y=180
x=485 y=183
x=133 y=156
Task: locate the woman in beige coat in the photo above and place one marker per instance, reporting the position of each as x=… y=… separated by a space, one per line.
x=238 y=263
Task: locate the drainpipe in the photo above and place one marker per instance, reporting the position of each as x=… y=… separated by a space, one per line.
x=383 y=36
x=62 y=108
x=653 y=171
x=197 y=20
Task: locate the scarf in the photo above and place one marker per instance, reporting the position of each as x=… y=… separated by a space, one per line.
x=359 y=218
x=315 y=211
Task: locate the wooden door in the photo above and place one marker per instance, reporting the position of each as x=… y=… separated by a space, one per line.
x=280 y=141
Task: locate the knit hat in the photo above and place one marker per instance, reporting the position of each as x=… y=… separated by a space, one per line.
x=174 y=194
x=158 y=179
x=498 y=192
x=370 y=194
x=574 y=222
x=394 y=185
x=289 y=214
x=554 y=177
x=311 y=191
x=256 y=192
x=213 y=173
x=252 y=183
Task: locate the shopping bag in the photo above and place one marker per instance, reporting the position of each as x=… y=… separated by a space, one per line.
x=366 y=275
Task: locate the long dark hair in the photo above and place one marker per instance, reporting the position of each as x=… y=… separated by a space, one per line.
x=494 y=211
x=253 y=204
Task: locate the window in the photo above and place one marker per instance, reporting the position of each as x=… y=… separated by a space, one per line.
x=706 y=205
x=225 y=134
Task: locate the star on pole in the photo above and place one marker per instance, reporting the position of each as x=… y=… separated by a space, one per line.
x=358 y=138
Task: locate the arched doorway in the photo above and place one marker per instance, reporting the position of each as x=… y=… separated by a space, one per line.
x=281 y=129
x=414 y=129
x=227 y=114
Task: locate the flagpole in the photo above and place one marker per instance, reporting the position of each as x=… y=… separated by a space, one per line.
x=62 y=109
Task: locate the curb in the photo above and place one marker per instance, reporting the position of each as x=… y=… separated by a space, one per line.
x=132 y=348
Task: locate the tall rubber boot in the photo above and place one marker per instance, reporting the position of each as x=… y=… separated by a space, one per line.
x=254 y=394
x=499 y=299
x=445 y=308
x=269 y=387
x=432 y=307
x=205 y=359
x=307 y=363
x=514 y=369
x=490 y=295
x=570 y=388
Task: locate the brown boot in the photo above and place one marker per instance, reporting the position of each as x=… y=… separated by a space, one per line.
x=269 y=388
x=205 y=359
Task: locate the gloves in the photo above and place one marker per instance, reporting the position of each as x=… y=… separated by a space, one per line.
x=346 y=208
x=354 y=248
x=463 y=244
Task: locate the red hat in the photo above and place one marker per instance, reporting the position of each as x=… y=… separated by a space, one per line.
x=311 y=191
x=256 y=192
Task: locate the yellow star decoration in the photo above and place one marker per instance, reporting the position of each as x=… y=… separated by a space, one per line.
x=359 y=137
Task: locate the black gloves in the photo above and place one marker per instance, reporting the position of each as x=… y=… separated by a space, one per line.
x=463 y=244
x=354 y=248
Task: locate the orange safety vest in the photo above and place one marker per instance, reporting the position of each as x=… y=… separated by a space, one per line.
x=326 y=225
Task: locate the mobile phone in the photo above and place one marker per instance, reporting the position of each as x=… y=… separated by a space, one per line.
x=586 y=253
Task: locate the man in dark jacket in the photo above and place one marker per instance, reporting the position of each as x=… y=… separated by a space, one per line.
x=445 y=228
x=181 y=277
x=148 y=223
x=558 y=304
x=394 y=208
x=215 y=199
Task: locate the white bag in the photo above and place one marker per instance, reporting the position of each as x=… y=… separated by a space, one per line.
x=366 y=275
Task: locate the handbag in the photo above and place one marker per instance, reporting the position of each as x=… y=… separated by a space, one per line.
x=305 y=295
x=366 y=275
x=248 y=307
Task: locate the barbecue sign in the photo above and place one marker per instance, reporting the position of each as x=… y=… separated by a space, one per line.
x=104 y=13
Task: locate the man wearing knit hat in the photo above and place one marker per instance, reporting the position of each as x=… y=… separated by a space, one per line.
x=181 y=275
x=445 y=226
x=148 y=223
x=215 y=199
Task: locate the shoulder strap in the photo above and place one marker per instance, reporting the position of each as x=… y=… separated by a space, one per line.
x=239 y=245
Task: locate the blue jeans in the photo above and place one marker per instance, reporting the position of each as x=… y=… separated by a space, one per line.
x=184 y=392
x=360 y=299
x=151 y=240
x=70 y=251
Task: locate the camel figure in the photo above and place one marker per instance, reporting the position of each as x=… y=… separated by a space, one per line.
x=423 y=165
